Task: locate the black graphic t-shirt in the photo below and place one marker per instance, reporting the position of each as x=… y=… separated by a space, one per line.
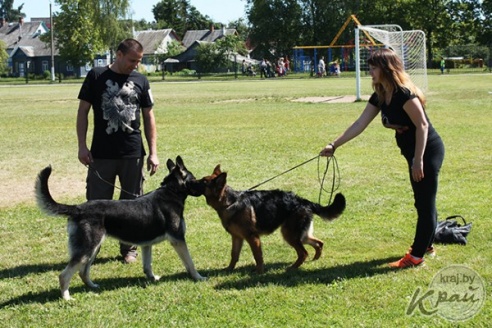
x=393 y=114
x=117 y=100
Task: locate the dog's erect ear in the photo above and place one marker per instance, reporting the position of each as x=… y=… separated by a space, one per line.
x=221 y=180
x=179 y=162
x=217 y=170
x=170 y=165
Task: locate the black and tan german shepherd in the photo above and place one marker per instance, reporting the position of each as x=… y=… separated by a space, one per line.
x=144 y=221
x=248 y=214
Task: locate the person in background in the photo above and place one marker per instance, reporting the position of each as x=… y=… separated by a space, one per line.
x=402 y=108
x=243 y=67
x=263 y=68
x=118 y=95
x=287 y=64
x=321 y=67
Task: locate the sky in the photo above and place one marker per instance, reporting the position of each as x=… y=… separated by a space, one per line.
x=223 y=11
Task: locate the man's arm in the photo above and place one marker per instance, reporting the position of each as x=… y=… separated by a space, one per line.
x=151 y=136
x=85 y=156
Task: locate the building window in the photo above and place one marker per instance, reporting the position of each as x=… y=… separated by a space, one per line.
x=69 y=68
x=44 y=65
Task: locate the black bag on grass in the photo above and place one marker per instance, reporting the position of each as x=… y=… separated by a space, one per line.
x=450 y=231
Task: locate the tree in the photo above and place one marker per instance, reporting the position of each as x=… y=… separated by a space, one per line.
x=485 y=20
x=209 y=58
x=174 y=48
x=180 y=16
x=230 y=45
x=107 y=15
x=322 y=20
x=3 y=58
x=9 y=13
x=77 y=36
x=85 y=28
x=275 y=25
x=241 y=28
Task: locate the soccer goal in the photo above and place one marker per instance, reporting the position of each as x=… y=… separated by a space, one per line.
x=409 y=45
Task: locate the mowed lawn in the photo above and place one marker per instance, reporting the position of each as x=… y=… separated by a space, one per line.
x=255 y=130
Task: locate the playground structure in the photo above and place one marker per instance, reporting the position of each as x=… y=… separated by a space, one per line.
x=408 y=45
x=305 y=58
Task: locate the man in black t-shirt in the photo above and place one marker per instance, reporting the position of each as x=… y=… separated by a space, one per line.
x=118 y=95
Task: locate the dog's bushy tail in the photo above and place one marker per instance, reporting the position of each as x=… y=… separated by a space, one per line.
x=331 y=211
x=44 y=199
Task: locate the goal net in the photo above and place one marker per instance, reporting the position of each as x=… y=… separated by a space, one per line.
x=409 y=45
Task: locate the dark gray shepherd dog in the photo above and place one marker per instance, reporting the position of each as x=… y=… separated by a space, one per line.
x=144 y=221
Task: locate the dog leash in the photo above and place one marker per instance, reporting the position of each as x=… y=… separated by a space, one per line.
x=335 y=180
x=293 y=168
x=96 y=172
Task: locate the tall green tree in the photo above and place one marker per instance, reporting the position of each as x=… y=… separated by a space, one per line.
x=275 y=25
x=77 y=36
x=180 y=16
x=85 y=28
x=8 y=11
x=322 y=20
x=108 y=15
x=485 y=35
x=241 y=28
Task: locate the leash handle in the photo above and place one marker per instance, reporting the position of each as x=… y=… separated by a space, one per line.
x=336 y=173
x=293 y=168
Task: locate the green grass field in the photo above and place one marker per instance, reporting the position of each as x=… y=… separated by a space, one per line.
x=255 y=131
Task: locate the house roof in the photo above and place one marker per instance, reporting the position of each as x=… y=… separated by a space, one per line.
x=22 y=34
x=152 y=40
x=206 y=35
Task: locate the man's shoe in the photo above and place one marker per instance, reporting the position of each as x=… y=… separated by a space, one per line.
x=408 y=261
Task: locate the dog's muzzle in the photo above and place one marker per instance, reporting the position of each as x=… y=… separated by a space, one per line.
x=195 y=188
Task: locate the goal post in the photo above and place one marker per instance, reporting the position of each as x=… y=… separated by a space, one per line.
x=409 y=45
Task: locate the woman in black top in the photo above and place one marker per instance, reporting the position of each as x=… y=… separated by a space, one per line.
x=401 y=104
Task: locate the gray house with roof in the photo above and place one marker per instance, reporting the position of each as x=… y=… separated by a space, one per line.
x=27 y=53
x=192 y=39
x=155 y=43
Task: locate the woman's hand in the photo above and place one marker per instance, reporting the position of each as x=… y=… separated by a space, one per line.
x=328 y=151
x=417 y=170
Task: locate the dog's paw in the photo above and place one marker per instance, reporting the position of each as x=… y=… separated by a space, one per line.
x=66 y=297
x=155 y=278
x=200 y=278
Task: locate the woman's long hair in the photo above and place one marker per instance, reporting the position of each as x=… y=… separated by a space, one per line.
x=393 y=75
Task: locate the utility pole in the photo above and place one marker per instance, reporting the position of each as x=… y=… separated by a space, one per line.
x=52 y=26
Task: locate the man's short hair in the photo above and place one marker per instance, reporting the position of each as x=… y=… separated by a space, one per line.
x=130 y=44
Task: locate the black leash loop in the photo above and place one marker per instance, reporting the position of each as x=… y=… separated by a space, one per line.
x=334 y=181
x=96 y=172
x=293 y=168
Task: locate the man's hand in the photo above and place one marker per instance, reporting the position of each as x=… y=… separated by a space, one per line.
x=85 y=156
x=152 y=164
